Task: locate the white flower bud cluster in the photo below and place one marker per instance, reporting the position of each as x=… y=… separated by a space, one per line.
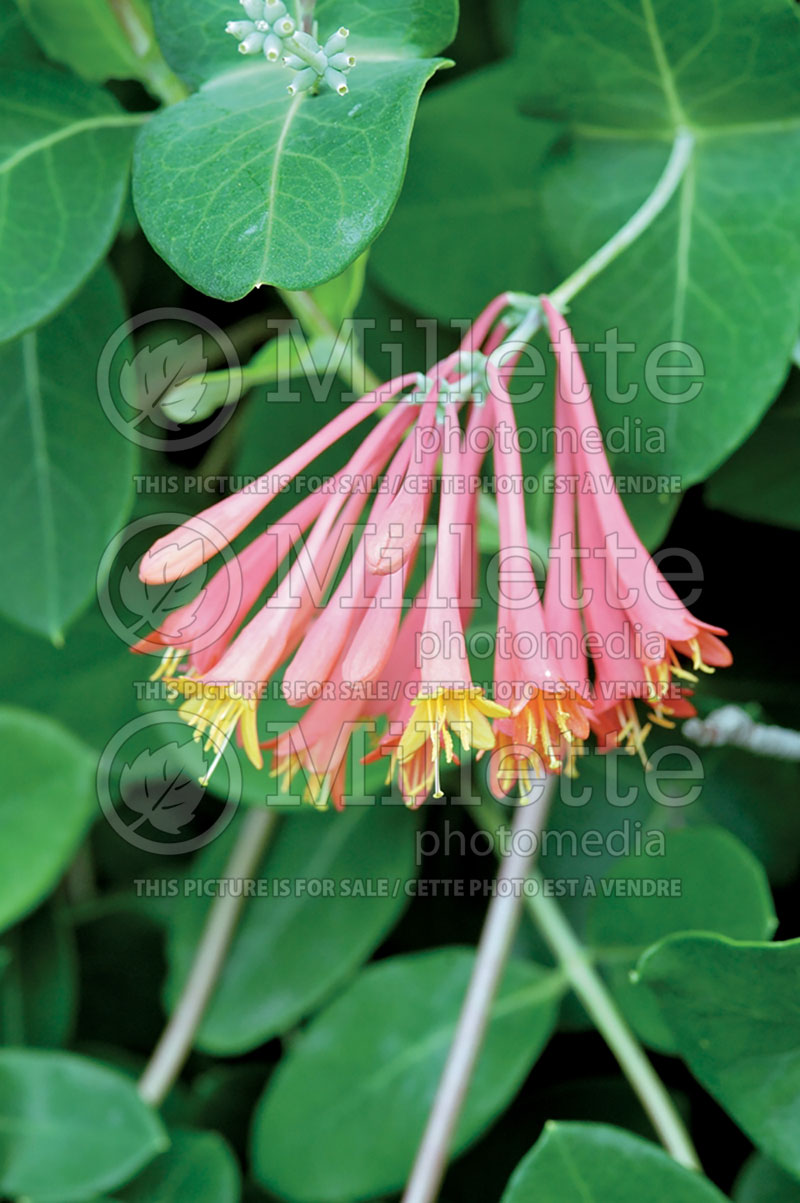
x=270 y=31
x=313 y=63
x=266 y=30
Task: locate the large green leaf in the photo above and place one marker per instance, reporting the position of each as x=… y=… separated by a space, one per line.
x=45 y=806
x=719 y=269
x=689 y=891
x=69 y=1127
x=733 y=1010
x=356 y=1087
x=465 y=227
x=595 y=1163
x=334 y=884
x=64 y=157
x=242 y=185
x=71 y=470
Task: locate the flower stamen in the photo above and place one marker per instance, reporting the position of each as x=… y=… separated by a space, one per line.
x=214 y=712
x=429 y=731
x=631 y=733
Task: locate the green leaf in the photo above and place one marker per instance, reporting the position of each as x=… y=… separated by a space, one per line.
x=71 y=469
x=45 y=807
x=198 y=1167
x=732 y=1008
x=95 y=673
x=333 y=886
x=710 y=267
x=273 y=189
x=98 y=41
x=756 y=483
x=691 y=891
x=761 y=1181
x=63 y=173
x=357 y=1085
x=38 y=990
x=595 y=1163
x=465 y=227
x=69 y=1127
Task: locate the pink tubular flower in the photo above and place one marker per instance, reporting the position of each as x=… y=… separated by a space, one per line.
x=188 y=546
x=202 y=629
x=446 y=700
x=344 y=642
x=317 y=748
x=635 y=622
x=322 y=594
x=548 y=718
x=360 y=593
x=225 y=696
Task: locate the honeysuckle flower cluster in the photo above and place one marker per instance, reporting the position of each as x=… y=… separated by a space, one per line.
x=271 y=31
x=367 y=614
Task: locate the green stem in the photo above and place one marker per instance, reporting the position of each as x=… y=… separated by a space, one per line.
x=175 y=1043
x=590 y=988
x=576 y=964
x=162 y=81
x=635 y=226
x=155 y=72
x=666 y=187
x=491 y=958
x=351 y=366
x=354 y=371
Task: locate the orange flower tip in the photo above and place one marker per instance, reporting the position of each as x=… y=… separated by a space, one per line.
x=550 y=727
x=147 y=644
x=415 y=801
